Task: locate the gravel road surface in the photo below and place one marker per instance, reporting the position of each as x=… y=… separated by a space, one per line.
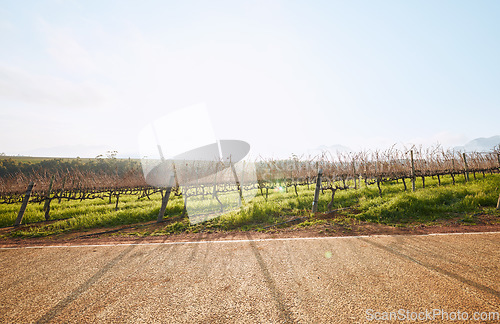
x=316 y=280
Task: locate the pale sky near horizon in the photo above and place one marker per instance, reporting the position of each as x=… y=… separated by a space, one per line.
x=285 y=76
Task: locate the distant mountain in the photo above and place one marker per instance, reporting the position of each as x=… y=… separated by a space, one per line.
x=480 y=144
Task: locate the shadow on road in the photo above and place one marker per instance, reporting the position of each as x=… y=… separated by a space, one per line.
x=285 y=314
x=57 y=309
x=455 y=276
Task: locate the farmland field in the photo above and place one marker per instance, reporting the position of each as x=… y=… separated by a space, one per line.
x=462 y=202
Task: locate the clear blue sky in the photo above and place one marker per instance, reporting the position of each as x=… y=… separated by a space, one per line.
x=285 y=76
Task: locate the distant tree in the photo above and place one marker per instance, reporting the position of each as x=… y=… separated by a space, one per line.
x=109 y=165
x=111 y=154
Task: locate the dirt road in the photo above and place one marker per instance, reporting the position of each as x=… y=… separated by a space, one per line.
x=344 y=280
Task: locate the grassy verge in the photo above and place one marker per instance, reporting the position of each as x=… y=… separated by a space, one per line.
x=394 y=207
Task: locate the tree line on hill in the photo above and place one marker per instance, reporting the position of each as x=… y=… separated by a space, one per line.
x=98 y=165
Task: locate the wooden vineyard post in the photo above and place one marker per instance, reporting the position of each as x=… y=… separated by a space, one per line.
x=316 y=191
x=164 y=200
x=46 y=206
x=214 y=191
x=117 y=199
x=412 y=171
x=269 y=183
x=175 y=176
x=354 y=174
x=62 y=190
x=27 y=196
x=184 y=210
x=453 y=170
x=466 y=174
x=498 y=203
x=242 y=181
x=237 y=181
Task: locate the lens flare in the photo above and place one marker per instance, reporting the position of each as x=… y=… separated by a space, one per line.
x=180 y=150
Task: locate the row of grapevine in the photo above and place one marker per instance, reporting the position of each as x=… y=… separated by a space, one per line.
x=339 y=172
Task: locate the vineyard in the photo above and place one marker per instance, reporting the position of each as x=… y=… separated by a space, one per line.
x=327 y=172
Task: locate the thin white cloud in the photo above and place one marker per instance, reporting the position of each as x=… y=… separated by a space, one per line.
x=6 y=26
x=65 y=49
x=21 y=85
